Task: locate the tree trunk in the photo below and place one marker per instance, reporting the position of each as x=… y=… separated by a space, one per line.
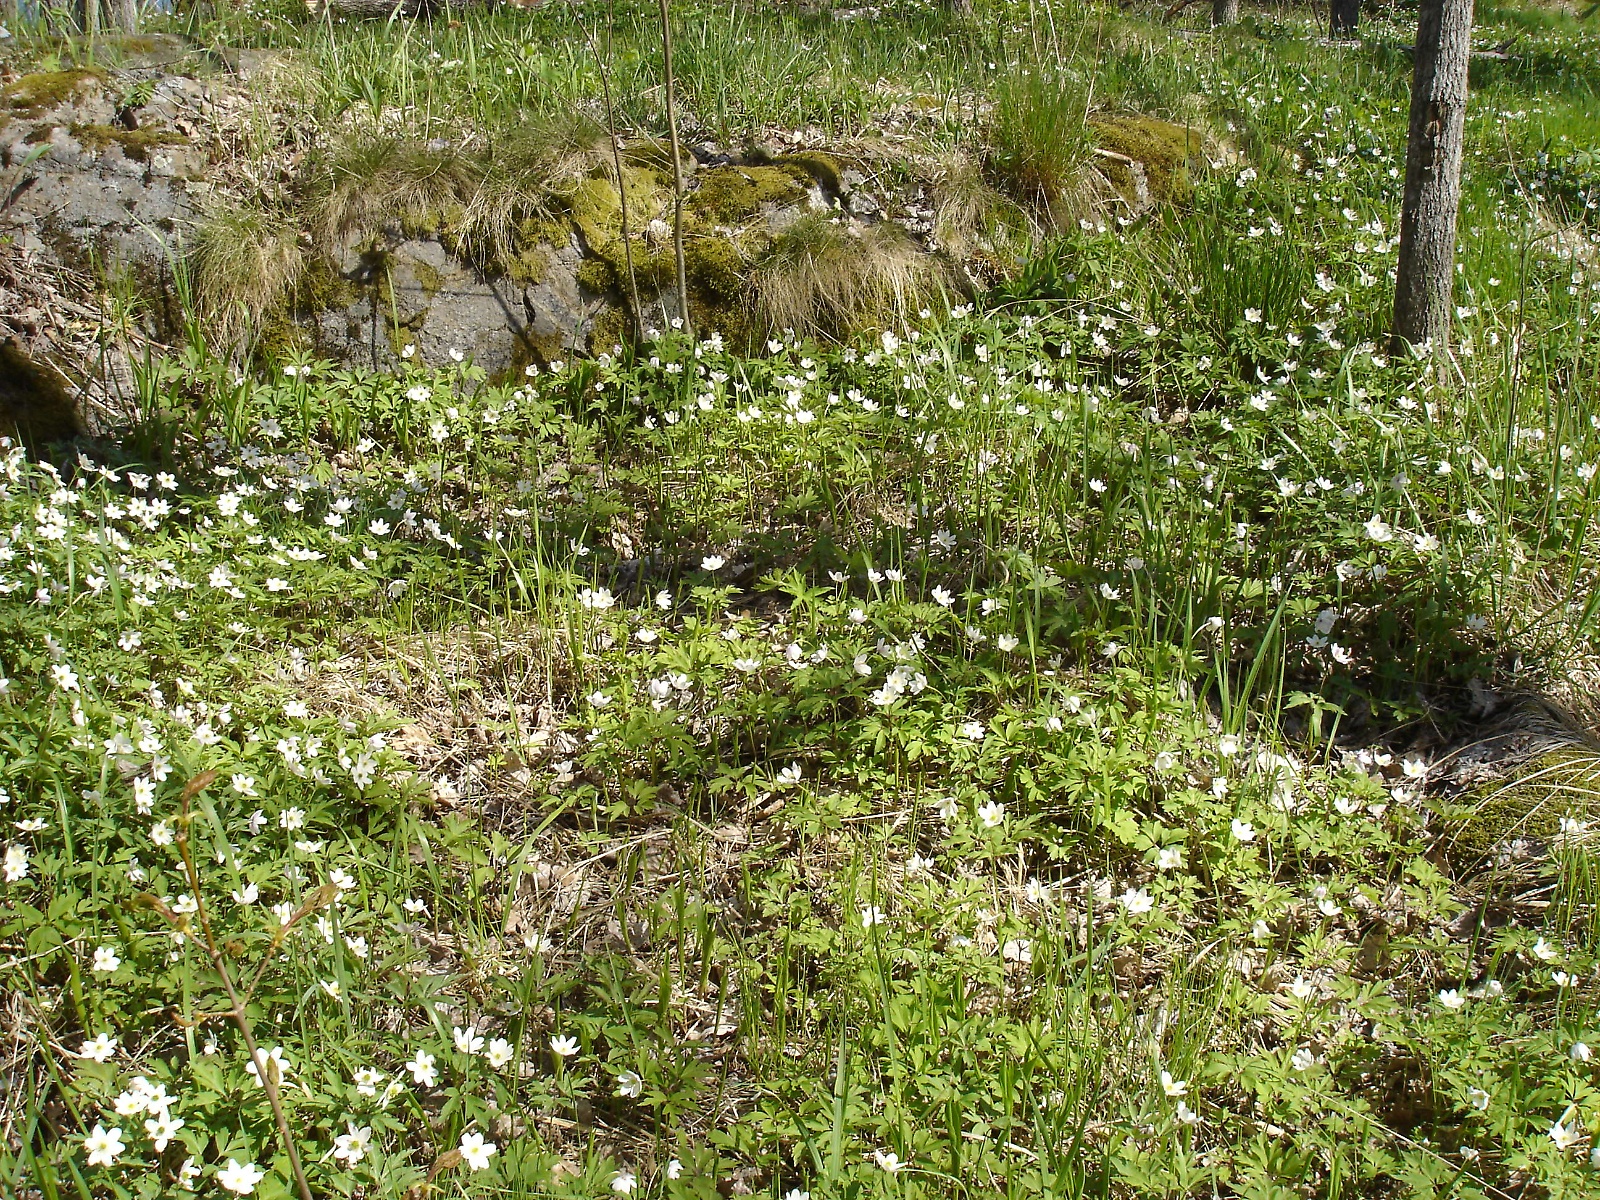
x=1343 y=17
x=126 y=15
x=1224 y=12
x=958 y=8
x=1426 y=272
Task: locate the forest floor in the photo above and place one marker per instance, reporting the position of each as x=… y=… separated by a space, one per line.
x=1116 y=730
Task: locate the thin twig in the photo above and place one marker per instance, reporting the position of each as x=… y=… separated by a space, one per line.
x=622 y=183
x=677 y=167
x=264 y=1069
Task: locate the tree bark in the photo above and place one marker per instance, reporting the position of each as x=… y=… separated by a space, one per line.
x=958 y=8
x=1343 y=17
x=1425 y=275
x=126 y=15
x=1224 y=12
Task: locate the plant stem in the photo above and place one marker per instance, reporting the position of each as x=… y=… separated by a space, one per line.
x=622 y=183
x=677 y=166
x=263 y=1070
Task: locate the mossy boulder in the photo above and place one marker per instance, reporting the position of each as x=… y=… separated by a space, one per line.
x=819 y=166
x=1171 y=155
x=34 y=94
x=595 y=207
x=135 y=144
x=733 y=195
x=1557 y=784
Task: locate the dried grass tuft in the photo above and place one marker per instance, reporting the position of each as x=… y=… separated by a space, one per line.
x=825 y=278
x=244 y=265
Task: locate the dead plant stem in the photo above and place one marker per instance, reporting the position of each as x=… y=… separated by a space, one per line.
x=264 y=1068
x=677 y=166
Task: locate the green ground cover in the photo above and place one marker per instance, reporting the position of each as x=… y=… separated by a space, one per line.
x=1005 y=753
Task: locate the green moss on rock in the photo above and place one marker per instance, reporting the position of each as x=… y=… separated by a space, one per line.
x=32 y=94
x=819 y=166
x=1171 y=154
x=595 y=275
x=611 y=328
x=1559 y=783
x=322 y=288
x=730 y=195
x=136 y=144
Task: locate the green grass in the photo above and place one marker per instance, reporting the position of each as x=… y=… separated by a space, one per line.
x=1015 y=740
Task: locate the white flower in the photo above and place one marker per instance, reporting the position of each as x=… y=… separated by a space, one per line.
x=1017 y=950
x=1006 y=642
x=1170 y=858
x=367 y=1080
x=1580 y=1052
x=1187 y=1115
x=871 y=915
x=277 y=1065
x=629 y=1085
x=888 y=1160
x=991 y=814
x=943 y=597
x=16 y=862
x=351 y=1147
x=99 y=1048
x=162 y=1129
x=104 y=1146
x=1563 y=1137
x=1300 y=989
x=1137 y=901
x=1302 y=1059
x=105 y=959
x=468 y=1040
x=499 y=1053
x=240 y=1178
x=1379 y=530
x=476 y=1152
x=1544 y=951
x=563 y=1045
x=1173 y=1087
x=1243 y=831
x=422 y=1069
x=713 y=562
x=674 y=1168
x=623 y=1182
x=1451 y=998
x=597 y=599
x=1478 y=1098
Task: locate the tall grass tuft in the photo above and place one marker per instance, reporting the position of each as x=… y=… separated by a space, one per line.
x=245 y=262
x=822 y=278
x=1039 y=139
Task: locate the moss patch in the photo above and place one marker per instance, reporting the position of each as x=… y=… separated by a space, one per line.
x=1171 y=154
x=823 y=168
x=136 y=143
x=596 y=208
x=429 y=278
x=733 y=194
x=1559 y=783
x=595 y=275
x=32 y=94
x=322 y=288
